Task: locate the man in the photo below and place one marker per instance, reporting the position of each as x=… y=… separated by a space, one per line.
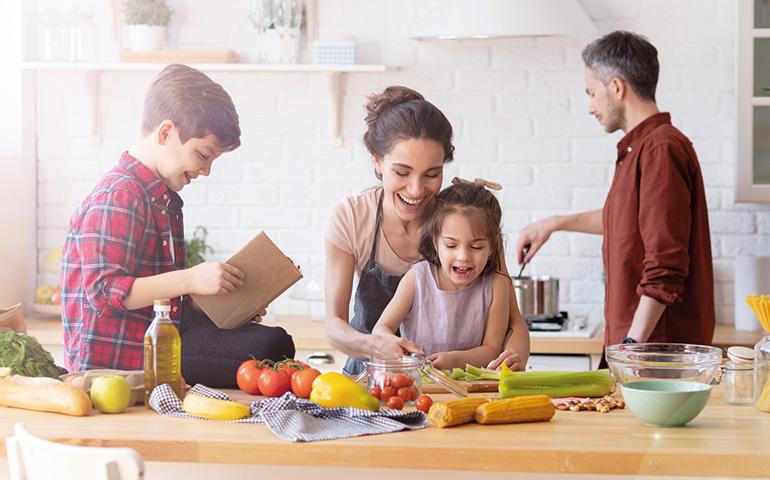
x=656 y=251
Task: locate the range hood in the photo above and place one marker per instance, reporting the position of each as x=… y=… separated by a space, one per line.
x=463 y=19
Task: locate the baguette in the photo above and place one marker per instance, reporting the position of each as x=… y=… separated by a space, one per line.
x=43 y=394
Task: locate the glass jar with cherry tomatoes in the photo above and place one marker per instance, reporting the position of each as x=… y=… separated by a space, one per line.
x=394 y=377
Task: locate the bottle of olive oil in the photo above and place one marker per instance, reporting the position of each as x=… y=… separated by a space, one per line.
x=162 y=352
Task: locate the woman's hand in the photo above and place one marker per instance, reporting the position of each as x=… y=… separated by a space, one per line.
x=392 y=346
x=214 y=278
x=511 y=359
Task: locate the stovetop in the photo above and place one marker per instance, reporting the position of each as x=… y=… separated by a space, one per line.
x=560 y=326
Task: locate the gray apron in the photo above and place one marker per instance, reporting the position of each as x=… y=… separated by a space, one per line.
x=375 y=289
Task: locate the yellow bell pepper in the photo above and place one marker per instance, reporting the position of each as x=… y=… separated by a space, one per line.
x=333 y=390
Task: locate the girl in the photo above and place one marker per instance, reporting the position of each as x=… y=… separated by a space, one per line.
x=454 y=304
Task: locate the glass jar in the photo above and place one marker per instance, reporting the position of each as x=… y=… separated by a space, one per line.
x=403 y=377
x=762 y=368
x=392 y=377
x=738 y=383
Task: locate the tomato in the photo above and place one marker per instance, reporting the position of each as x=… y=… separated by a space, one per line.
x=405 y=393
x=274 y=383
x=376 y=391
x=415 y=392
x=56 y=297
x=288 y=366
x=423 y=403
x=400 y=380
x=395 y=403
x=302 y=382
x=247 y=377
x=386 y=393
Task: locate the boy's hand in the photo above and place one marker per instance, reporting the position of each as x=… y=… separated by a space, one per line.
x=215 y=278
x=258 y=317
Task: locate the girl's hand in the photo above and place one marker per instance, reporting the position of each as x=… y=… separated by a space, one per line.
x=392 y=346
x=443 y=360
x=214 y=278
x=511 y=359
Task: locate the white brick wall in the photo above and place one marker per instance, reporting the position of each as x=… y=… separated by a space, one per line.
x=517 y=105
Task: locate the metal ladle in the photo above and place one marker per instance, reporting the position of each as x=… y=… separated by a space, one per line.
x=523 y=263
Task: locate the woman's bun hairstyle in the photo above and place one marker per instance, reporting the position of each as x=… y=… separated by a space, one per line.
x=400 y=113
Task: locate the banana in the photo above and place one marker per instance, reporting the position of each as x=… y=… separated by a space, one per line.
x=214 y=408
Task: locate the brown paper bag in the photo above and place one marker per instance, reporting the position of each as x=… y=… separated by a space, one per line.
x=267 y=274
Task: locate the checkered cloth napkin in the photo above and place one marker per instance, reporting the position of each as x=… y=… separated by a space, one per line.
x=299 y=420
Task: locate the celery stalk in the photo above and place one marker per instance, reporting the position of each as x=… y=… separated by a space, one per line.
x=555 y=384
x=481 y=373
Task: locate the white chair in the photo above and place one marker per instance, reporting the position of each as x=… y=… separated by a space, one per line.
x=32 y=458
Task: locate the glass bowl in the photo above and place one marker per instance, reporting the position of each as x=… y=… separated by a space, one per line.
x=633 y=362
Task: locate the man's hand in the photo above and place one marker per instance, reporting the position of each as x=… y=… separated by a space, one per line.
x=214 y=278
x=510 y=358
x=534 y=235
x=392 y=346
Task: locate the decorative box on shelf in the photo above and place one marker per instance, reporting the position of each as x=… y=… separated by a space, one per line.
x=336 y=52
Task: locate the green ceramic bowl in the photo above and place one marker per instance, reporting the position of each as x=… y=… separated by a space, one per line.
x=665 y=403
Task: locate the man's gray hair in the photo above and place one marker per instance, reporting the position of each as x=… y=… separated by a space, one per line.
x=627 y=55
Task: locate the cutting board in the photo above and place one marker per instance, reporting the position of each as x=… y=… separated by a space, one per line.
x=179 y=56
x=477 y=386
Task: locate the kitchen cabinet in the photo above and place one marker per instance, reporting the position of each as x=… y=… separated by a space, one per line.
x=753 y=97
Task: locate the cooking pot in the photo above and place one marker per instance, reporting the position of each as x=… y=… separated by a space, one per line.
x=538 y=297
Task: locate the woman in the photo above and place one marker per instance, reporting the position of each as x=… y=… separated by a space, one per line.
x=376 y=233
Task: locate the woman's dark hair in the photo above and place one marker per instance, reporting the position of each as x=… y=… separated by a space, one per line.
x=627 y=55
x=400 y=113
x=475 y=202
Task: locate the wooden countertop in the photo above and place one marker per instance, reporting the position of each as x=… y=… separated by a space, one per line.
x=725 y=440
x=308 y=334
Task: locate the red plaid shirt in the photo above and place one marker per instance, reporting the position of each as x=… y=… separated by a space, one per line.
x=120 y=232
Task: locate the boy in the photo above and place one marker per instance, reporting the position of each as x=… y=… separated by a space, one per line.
x=125 y=245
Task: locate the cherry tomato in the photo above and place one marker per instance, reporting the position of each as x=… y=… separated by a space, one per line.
x=287 y=367
x=274 y=383
x=386 y=393
x=395 y=403
x=247 y=377
x=302 y=382
x=423 y=403
x=400 y=380
x=415 y=392
x=405 y=393
x=376 y=391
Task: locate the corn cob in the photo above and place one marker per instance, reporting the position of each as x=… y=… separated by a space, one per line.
x=454 y=412
x=531 y=408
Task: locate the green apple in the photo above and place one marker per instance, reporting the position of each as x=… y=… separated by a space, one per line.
x=110 y=393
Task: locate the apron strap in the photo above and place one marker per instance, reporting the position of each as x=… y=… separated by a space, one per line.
x=377 y=219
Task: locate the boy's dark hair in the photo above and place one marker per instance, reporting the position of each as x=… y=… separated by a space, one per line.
x=472 y=200
x=197 y=105
x=400 y=113
x=627 y=55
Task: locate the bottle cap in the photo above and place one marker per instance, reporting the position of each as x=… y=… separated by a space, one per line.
x=163 y=304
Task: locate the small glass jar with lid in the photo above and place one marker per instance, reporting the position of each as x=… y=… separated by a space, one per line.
x=738 y=382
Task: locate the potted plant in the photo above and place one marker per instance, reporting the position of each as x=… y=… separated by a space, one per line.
x=197 y=248
x=146 y=22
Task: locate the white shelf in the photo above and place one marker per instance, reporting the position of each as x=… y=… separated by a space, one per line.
x=209 y=67
x=760 y=101
x=93 y=72
x=760 y=33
